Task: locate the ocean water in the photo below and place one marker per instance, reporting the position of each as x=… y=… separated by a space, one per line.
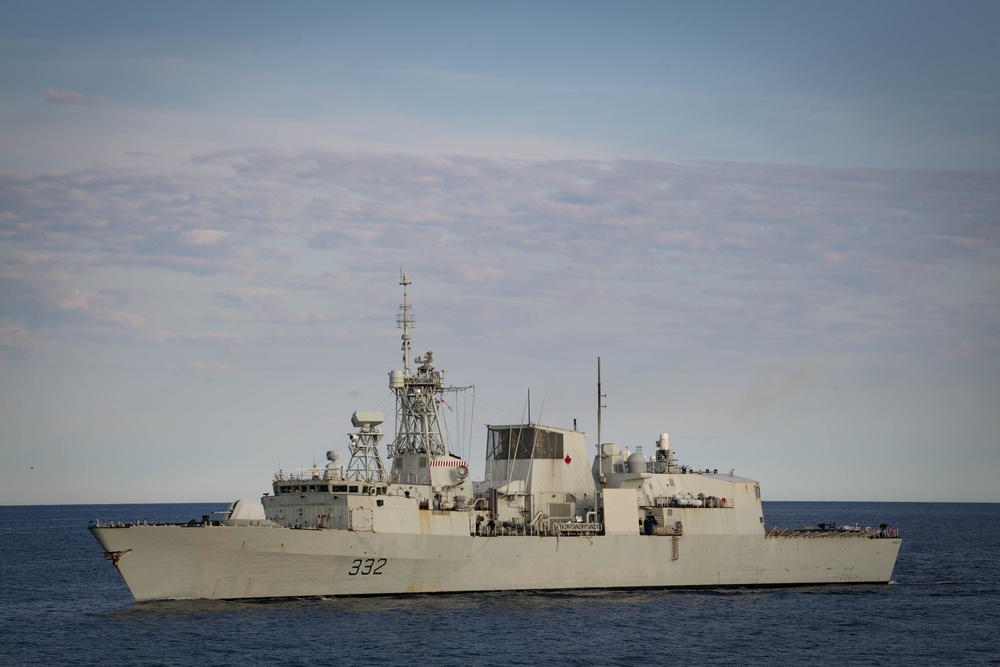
x=61 y=603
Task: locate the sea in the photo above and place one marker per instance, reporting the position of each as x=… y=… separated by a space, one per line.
x=61 y=603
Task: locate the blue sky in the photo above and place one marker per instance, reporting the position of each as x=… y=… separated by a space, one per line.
x=775 y=222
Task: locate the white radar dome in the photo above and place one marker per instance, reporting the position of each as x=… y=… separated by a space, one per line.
x=636 y=463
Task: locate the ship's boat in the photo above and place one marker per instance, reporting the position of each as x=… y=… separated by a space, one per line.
x=543 y=517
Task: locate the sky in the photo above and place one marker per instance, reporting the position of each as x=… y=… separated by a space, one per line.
x=775 y=223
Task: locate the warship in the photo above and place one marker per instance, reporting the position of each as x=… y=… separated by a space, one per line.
x=543 y=517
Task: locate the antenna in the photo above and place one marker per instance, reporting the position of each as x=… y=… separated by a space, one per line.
x=405 y=321
x=600 y=444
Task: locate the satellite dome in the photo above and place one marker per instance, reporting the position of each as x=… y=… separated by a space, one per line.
x=636 y=463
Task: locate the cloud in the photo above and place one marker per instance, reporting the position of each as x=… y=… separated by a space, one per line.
x=207 y=236
x=746 y=258
x=444 y=76
x=53 y=96
x=23 y=342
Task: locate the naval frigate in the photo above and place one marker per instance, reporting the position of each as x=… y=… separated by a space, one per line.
x=543 y=517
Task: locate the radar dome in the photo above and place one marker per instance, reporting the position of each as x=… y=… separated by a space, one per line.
x=636 y=463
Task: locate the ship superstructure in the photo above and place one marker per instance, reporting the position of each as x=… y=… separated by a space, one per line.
x=543 y=517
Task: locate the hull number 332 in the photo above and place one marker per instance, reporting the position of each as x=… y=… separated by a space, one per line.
x=366 y=566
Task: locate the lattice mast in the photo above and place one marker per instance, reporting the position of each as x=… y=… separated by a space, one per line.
x=366 y=464
x=418 y=428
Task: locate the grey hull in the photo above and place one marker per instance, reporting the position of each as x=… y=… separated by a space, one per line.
x=227 y=562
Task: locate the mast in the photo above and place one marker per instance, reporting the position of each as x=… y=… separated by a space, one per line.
x=418 y=428
x=366 y=464
x=600 y=443
x=404 y=321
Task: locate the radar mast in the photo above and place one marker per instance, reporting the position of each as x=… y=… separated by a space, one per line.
x=366 y=464
x=418 y=428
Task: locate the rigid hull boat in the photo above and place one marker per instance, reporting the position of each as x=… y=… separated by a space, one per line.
x=543 y=517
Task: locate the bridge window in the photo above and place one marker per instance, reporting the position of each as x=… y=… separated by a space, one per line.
x=523 y=443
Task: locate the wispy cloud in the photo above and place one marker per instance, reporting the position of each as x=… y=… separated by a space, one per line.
x=446 y=76
x=53 y=96
x=747 y=257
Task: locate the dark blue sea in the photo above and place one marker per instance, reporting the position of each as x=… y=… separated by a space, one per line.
x=61 y=603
